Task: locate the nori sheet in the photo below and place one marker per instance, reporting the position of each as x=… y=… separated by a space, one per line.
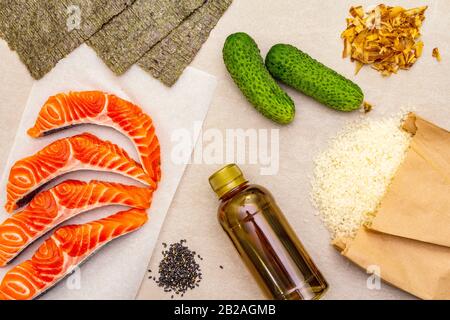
x=167 y=59
x=127 y=37
x=37 y=29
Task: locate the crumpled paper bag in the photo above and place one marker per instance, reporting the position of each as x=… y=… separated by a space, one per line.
x=420 y=268
x=116 y=271
x=417 y=204
x=409 y=237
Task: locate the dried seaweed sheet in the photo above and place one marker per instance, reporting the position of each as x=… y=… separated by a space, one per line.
x=42 y=32
x=167 y=59
x=127 y=37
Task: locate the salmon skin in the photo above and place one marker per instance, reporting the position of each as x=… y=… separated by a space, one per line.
x=60 y=203
x=80 y=152
x=68 y=109
x=68 y=247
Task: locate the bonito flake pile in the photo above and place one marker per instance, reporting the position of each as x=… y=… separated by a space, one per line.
x=352 y=175
x=385 y=37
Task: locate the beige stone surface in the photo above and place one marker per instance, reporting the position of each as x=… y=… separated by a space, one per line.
x=313 y=26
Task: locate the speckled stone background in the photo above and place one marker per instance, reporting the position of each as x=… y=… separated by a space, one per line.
x=315 y=27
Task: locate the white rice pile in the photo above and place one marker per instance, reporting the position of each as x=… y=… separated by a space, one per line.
x=352 y=175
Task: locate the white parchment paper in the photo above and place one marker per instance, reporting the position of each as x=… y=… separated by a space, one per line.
x=116 y=271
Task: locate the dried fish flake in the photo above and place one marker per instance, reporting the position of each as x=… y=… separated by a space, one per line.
x=385 y=37
x=436 y=54
x=367 y=107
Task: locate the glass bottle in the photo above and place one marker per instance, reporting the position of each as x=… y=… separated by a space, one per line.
x=264 y=238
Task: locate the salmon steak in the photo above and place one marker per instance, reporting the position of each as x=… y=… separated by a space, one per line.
x=95 y=107
x=59 y=255
x=80 y=152
x=54 y=206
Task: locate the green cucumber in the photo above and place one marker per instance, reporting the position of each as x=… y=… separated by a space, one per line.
x=243 y=61
x=298 y=70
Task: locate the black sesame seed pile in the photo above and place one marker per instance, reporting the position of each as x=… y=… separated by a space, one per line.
x=178 y=270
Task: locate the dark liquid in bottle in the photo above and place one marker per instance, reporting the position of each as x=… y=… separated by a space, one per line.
x=268 y=244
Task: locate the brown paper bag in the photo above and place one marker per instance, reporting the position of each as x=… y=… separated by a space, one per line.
x=420 y=268
x=409 y=238
x=417 y=203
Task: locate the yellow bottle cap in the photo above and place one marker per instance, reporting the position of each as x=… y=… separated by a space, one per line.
x=226 y=179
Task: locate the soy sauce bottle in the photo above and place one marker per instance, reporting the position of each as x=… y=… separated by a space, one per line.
x=264 y=239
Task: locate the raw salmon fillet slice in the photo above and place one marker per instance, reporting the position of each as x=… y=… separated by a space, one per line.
x=63 y=251
x=68 y=109
x=80 y=152
x=60 y=203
